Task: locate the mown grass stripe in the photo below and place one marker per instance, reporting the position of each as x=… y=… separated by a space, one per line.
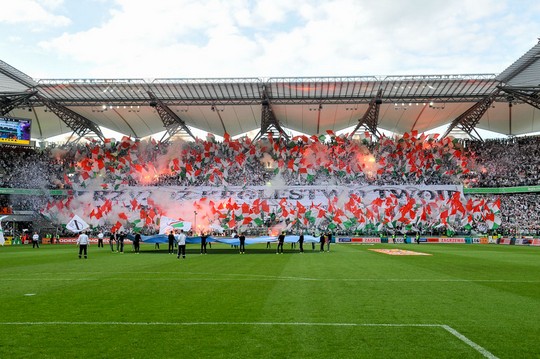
x=449 y=329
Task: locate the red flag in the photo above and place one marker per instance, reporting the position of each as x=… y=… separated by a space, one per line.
x=116 y=227
x=100 y=164
x=301 y=208
x=265 y=207
x=66 y=179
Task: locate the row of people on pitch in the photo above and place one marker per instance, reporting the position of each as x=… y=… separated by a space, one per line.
x=83 y=241
x=324 y=240
x=173 y=239
x=117 y=239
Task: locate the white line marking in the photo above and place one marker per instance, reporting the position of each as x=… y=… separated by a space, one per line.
x=225 y=323
x=449 y=329
x=258 y=276
x=270 y=278
x=469 y=342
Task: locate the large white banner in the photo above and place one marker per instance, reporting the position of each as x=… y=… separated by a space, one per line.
x=306 y=195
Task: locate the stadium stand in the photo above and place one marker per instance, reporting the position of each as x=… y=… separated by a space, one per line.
x=334 y=160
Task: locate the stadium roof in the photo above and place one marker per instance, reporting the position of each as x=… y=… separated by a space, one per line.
x=308 y=105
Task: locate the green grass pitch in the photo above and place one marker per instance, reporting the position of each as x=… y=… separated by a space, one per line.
x=462 y=301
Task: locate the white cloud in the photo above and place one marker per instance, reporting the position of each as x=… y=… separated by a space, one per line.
x=32 y=12
x=220 y=38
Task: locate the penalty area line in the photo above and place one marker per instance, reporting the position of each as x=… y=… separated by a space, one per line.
x=447 y=328
x=469 y=342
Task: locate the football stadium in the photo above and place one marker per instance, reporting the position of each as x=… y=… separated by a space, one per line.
x=281 y=217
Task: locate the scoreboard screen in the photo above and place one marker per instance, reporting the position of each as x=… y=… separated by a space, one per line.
x=15 y=131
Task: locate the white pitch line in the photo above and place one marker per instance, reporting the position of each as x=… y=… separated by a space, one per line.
x=226 y=323
x=257 y=277
x=469 y=342
x=449 y=329
x=269 y=278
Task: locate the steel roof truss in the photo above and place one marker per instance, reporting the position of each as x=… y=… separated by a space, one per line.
x=468 y=120
x=530 y=95
x=11 y=101
x=370 y=120
x=79 y=124
x=269 y=121
x=171 y=121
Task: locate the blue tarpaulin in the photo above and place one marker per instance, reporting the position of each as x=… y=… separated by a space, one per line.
x=163 y=238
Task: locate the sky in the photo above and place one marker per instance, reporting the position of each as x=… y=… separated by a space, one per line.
x=266 y=38
x=66 y=39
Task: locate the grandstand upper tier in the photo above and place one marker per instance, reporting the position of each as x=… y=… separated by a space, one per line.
x=506 y=103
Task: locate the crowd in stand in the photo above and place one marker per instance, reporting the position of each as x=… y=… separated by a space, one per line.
x=334 y=160
x=506 y=162
x=304 y=161
x=22 y=167
x=521 y=213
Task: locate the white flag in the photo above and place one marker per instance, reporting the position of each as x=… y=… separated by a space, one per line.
x=77 y=224
x=167 y=224
x=2 y=240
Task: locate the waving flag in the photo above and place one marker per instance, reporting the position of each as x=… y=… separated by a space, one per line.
x=77 y=224
x=167 y=224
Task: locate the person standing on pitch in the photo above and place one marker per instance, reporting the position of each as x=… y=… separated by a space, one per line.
x=35 y=240
x=269 y=235
x=281 y=240
x=301 y=242
x=322 y=241
x=242 y=239
x=100 y=239
x=117 y=240
x=171 y=238
x=137 y=242
x=328 y=240
x=120 y=245
x=204 y=236
x=83 y=241
x=112 y=239
x=181 y=244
